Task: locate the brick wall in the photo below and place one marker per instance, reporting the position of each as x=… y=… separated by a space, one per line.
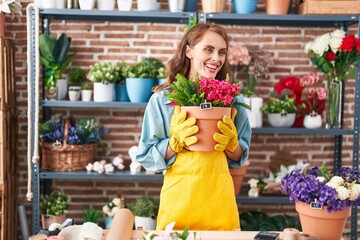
x=94 y=41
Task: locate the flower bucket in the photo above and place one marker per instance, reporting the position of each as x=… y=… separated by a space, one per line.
x=207 y=121
x=333 y=105
x=321 y=223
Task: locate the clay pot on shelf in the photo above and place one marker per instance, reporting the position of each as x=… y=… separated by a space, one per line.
x=277 y=7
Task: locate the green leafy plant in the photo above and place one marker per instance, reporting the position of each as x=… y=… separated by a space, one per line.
x=147 y=68
x=86 y=86
x=103 y=72
x=259 y=221
x=91 y=215
x=77 y=76
x=54 y=56
x=145 y=207
x=56 y=204
x=280 y=104
x=122 y=68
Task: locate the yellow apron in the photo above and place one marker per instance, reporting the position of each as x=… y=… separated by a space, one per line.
x=198 y=192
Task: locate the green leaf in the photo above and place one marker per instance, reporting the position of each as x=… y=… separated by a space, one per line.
x=46 y=47
x=61 y=47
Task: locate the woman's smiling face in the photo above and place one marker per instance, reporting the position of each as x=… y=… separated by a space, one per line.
x=208 y=56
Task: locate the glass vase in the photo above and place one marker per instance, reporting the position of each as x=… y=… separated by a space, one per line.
x=251 y=82
x=333 y=106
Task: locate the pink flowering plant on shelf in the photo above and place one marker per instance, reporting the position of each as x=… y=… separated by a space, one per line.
x=220 y=93
x=334 y=190
x=313 y=95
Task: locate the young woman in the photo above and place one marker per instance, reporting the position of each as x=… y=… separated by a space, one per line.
x=197 y=191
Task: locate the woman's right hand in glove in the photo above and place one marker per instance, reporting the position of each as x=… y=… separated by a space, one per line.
x=182 y=130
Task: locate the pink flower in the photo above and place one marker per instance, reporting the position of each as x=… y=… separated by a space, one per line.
x=321 y=93
x=238 y=55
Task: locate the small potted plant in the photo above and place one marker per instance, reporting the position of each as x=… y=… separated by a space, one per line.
x=141 y=78
x=76 y=77
x=104 y=75
x=145 y=210
x=54 y=56
x=281 y=109
x=53 y=208
x=86 y=92
x=120 y=87
x=111 y=208
x=91 y=215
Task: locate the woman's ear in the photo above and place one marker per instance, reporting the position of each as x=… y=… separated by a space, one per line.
x=189 y=52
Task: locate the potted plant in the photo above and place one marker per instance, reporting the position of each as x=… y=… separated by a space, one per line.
x=161 y=76
x=87 y=4
x=91 y=215
x=281 y=109
x=145 y=210
x=54 y=56
x=103 y=74
x=198 y=99
x=140 y=79
x=86 y=92
x=323 y=198
x=278 y=7
x=120 y=87
x=111 y=208
x=53 y=208
x=76 y=77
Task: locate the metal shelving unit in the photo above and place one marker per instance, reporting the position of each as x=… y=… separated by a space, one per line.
x=338 y=21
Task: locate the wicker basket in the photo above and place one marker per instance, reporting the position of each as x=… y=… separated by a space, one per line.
x=213 y=6
x=65 y=157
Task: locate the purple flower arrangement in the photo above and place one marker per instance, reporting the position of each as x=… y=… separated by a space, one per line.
x=334 y=190
x=82 y=131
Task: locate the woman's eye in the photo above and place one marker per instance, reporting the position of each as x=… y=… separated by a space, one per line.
x=208 y=49
x=222 y=53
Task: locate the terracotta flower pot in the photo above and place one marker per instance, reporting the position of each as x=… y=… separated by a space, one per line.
x=277 y=6
x=321 y=223
x=237 y=175
x=207 y=121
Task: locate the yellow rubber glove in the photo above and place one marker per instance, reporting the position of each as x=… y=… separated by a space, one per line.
x=182 y=130
x=228 y=138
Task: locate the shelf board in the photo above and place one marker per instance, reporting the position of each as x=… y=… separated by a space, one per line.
x=118 y=16
x=81 y=104
x=264 y=199
x=280 y=20
x=302 y=131
x=118 y=175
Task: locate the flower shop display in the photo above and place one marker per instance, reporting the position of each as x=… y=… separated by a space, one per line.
x=325 y=195
x=103 y=75
x=313 y=97
x=53 y=208
x=141 y=78
x=111 y=208
x=208 y=100
x=335 y=55
x=145 y=210
x=68 y=145
x=281 y=109
x=54 y=56
x=254 y=64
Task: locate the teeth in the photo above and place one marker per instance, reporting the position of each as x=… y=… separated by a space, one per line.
x=212 y=67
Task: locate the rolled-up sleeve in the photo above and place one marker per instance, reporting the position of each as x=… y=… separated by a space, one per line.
x=244 y=134
x=155 y=134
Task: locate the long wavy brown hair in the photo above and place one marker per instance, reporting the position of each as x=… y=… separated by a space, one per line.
x=180 y=63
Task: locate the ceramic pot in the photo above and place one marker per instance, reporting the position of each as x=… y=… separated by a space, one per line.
x=176 y=5
x=312 y=121
x=207 y=121
x=277 y=7
x=74 y=93
x=60 y=4
x=124 y=5
x=104 y=92
x=245 y=6
x=107 y=222
x=86 y=95
x=139 y=89
x=146 y=223
x=281 y=120
x=107 y=5
x=147 y=5
x=86 y=4
x=191 y=5
x=254 y=115
x=121 y=94
x=47 y=220
x=62 y=89
x=49 y=4
x=237 y=175
x=321 y=223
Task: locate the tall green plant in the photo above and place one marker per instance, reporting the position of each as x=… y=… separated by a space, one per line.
x=56 y=204
x=54 y=56
x=145 y=207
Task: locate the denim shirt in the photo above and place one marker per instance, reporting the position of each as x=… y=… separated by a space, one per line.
x=155 y=134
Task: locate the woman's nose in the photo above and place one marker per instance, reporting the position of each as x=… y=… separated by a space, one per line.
x=215 y=57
